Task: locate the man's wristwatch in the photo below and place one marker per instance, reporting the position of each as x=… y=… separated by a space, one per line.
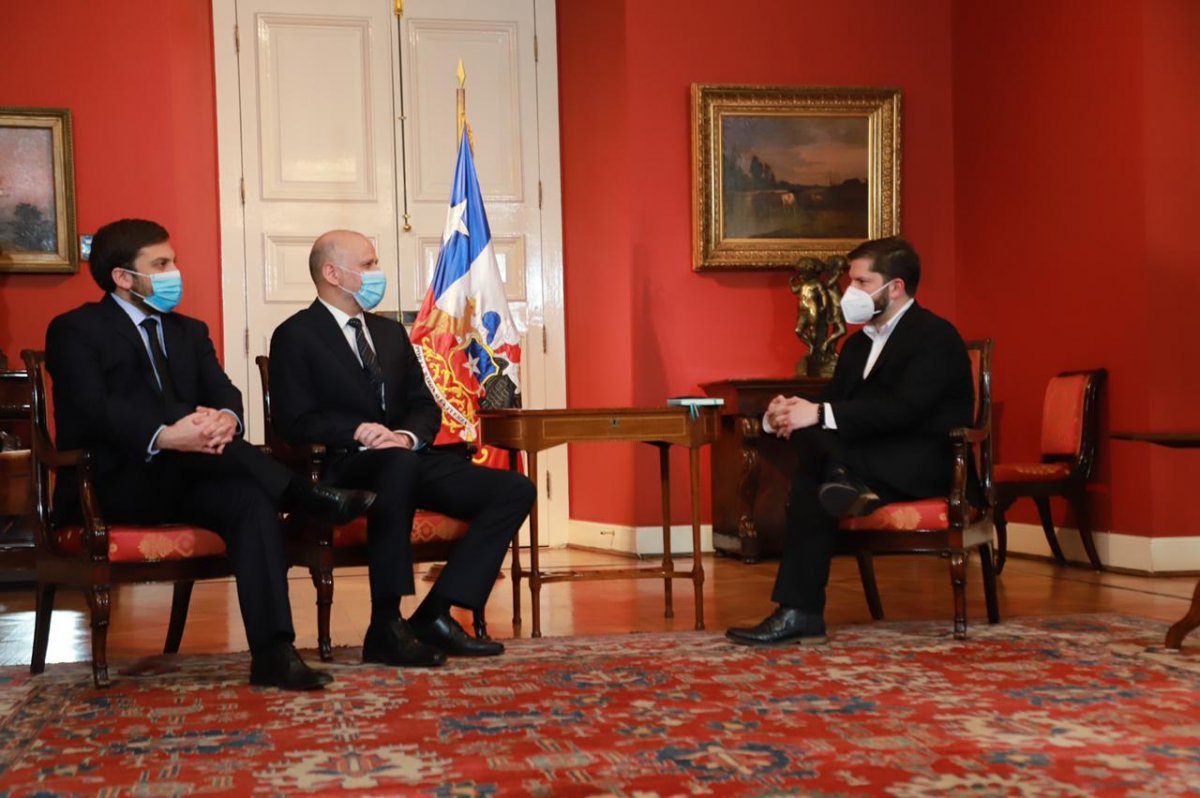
x=821 y=415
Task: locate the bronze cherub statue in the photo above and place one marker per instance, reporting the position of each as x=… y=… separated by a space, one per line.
x=819 y=322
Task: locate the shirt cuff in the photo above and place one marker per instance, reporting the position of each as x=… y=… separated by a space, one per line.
x=240 y=428
x=151 y=450
x=416 y=442
x=766 y=425
x=830 y=421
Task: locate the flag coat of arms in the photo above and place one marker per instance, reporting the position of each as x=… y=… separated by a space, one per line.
x=464 y=336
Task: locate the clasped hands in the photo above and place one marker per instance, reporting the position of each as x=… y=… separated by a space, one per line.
x=376 y=436
x=787 y=414
x=205 y=431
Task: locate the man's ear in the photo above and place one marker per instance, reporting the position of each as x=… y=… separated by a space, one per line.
x=122 y=279
x=329 y=272
x=901 y=288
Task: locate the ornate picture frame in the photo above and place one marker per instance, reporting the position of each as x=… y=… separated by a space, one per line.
x=782 y=173
x=37 y=191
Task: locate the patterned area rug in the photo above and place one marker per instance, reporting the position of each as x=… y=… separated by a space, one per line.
x=1076 y=706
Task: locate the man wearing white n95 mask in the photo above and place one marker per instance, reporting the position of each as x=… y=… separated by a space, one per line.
x=879 y=432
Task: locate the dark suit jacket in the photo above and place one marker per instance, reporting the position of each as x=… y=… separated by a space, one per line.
x=320 y=393
x=898 y=419
x=106 y=398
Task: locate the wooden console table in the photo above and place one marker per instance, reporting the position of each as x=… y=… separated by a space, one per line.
x=1174 y=440
x=16 y=496
x=751 y=472
x=532 y=431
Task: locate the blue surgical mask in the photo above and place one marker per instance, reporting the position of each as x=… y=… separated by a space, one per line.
x=166 y=290
x=370 y=293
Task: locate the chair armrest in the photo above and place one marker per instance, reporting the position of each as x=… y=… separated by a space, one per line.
x=962 y=440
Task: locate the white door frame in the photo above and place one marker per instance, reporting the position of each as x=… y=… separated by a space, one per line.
x=547 y=322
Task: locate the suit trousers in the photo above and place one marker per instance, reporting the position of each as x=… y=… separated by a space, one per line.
x=494 y=502
x=811 y=532
x=235 y=494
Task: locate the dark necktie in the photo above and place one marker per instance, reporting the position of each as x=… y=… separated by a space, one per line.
x=370 y=363
x=150 y=325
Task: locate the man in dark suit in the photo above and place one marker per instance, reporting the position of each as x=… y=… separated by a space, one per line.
x=141 y=388
x=878 y=434
x=351 y=381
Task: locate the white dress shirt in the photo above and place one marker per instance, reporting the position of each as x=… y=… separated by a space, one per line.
x=879 y=334
x=343 y=319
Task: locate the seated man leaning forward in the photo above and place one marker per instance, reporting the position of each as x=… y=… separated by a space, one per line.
x=140 y=386
x=351 y=381
x=880 y=432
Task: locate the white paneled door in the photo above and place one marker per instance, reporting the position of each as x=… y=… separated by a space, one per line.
x=342 y=114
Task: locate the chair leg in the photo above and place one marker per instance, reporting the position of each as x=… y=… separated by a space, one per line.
x=44 y=608
x=179 y=610
x=958 y=581
x=480 y=625
x=1043 y=506
x=866 y=572
x=1001 y=535
x=989 y=583
x=322 y=579
x=1083 y=519
x=98 y=599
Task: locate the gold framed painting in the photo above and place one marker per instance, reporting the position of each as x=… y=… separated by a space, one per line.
x=37 y=191
x=782 y=173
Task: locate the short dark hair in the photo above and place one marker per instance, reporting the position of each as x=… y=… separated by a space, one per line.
x=892 y=257
x=116 y=245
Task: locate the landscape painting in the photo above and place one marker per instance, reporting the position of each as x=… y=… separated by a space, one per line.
x=37 y=214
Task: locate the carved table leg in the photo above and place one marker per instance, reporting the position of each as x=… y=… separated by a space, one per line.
x=1186 y=624
x=747 y=489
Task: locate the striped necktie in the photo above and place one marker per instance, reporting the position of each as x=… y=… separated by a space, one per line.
x=370 y=362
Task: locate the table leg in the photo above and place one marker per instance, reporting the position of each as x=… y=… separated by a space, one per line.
x=535 y=571
x=1187 y=623
x=514 y=457
x=697 y=564
x=668 y=562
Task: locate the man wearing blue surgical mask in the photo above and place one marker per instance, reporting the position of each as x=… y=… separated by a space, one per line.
x=349 y=380
x=879 y=433
x=140 y=387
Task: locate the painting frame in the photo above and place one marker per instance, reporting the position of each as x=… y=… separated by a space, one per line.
x=865 y=117
x=52 y=173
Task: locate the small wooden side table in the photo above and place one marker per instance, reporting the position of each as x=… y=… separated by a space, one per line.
x=531 y=431
x=1173 y=440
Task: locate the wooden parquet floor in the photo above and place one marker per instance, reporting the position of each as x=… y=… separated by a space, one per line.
x=735 y=594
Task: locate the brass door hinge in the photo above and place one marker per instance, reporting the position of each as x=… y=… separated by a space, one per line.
x=237 y=40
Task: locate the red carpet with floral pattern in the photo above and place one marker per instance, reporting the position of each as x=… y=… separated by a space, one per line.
x=1077 y=706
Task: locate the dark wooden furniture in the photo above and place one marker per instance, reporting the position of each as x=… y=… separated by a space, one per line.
x=948 y=525
x=751 y=471
x=320 y=547
x=1070 y=431
x=16 y=496
x=1173 y=440
x=94 y=555
x=532 y=431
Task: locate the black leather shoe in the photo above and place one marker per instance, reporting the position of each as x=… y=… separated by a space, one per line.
x=395 y=644
x=785 y=625
x=280 y=666
x=447 y=634
x=846 y=495
x=335 y=505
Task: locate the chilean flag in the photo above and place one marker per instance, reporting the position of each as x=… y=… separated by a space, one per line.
x=464 y=335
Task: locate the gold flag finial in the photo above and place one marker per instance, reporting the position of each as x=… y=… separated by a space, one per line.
x=462 y=75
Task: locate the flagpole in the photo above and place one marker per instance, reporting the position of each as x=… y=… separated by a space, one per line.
x=460 y=97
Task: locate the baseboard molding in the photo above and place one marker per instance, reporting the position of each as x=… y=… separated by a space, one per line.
x=1131 y=553
x=639 y=541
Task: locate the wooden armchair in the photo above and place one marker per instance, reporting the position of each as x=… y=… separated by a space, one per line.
x=320 y=547
x=949 y=525
x=94 y=555
x=1070 y=430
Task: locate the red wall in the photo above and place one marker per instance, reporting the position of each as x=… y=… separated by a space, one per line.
x=641 y=325
x=138 y=78
x=1076 y=188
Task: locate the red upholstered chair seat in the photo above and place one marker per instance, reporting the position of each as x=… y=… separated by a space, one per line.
x=146 y=544
x=931 y=514
x=427 y=528
x=1030 y=472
